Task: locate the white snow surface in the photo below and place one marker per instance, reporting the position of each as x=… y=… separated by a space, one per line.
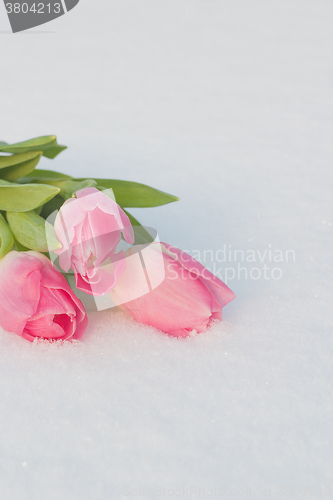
x=228 y=105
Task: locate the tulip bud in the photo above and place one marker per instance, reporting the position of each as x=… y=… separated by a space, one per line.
x=89 y=228
x=189 y=297
x=36 y=300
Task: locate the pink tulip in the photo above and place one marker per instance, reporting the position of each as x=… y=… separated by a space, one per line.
x=89 y=229
x=36 y=300
x=188 y=298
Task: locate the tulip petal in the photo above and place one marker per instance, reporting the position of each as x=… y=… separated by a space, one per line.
x=181 y=332
x=68 y=217
x=54 y=280
x=189 y=298
x=53 y=301
x=105 y=233
x=36 y=300
x=127 y=227
x=105 y=279
x=21 y=273
x=93 y=198
x=181 y=301
x=220 y=290
x=90 y=229
x=44 y=327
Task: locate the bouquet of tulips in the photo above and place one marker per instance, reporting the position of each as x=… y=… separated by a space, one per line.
x=62 y=238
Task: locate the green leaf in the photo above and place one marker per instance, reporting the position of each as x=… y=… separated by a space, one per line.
x=15 y=159
x=53 y=152
x=40 y=175
x=51 y=206
x=69 y=187
x=128 y=194
x=47 y=144
x=109 y=192
x=6 y=238
x=21 y=248
x=141 y=234
x=24 y=197
x=15 y=166
x=38 y=209
x=133 y=194
x=32 y=231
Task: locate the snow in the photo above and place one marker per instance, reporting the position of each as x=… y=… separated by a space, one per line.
x=227 y=105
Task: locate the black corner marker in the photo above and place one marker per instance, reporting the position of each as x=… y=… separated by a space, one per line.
x=70 y=4
x=26 y=14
